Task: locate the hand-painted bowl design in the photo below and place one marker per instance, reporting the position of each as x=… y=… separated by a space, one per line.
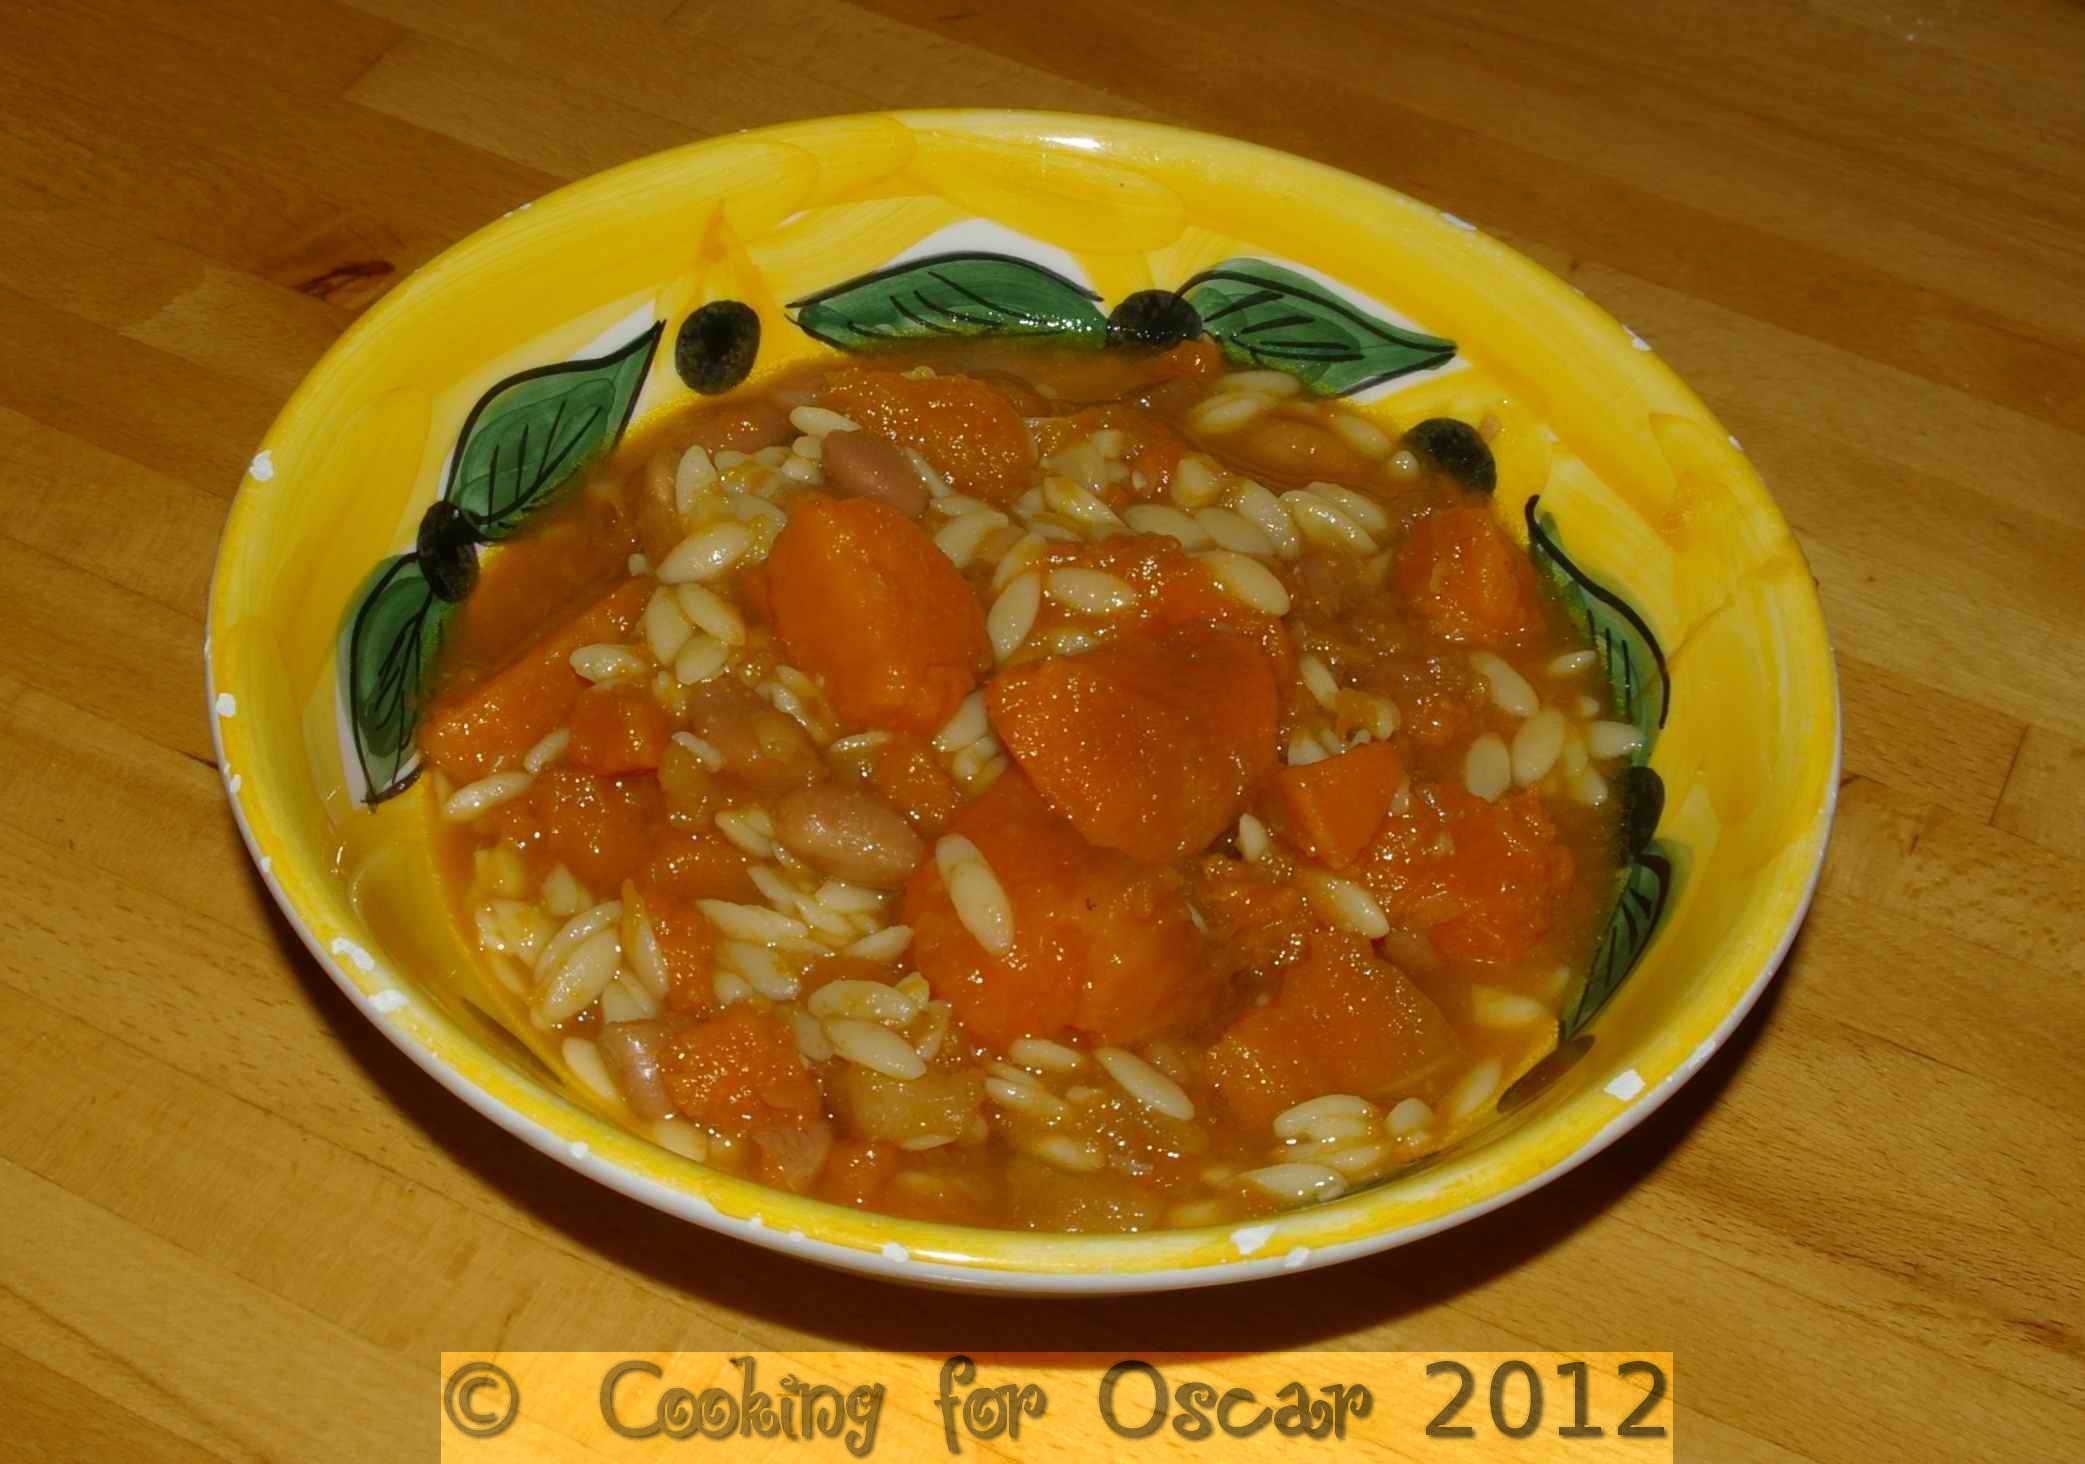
x=482 y=384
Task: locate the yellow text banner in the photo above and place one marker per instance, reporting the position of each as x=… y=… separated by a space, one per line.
x=994 y=1408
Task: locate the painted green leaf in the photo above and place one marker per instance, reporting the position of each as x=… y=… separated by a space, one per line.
x=1629 y=653
x=1641 y=691
x=529 y=436
x=1645 y=885
x=966 y=294
x=1265 y=315
x=388 y=643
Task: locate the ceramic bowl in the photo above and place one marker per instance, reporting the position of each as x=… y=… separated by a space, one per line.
x=1641 y=508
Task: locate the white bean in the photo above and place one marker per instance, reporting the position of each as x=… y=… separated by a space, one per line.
x=1197 y=482
x=1247 y=580
x=1345 y=903
x=1264 y=509
x=1145 y=1083
x=1090 y=591
x=701 y=659
x=961 y=537
x=1357 y=506
x=711 y=613
x=1510 y=691
x=607 y=663
x=1013 y=614
x=488 y=793
x=1040 y=1052
x=1537 y=745
x=706 y=553
x=1157 y=518
x=1228 y=411
x=969 y=723
x=549 y=750
x=1323 y=523
x=1308 y=1116
x=817 y=421
x=1232 y=530
x=1613 y=739
x=754 y=923
x=1487 y=768
x=666 y=629
x=875 y=1047
x=1297 y=1182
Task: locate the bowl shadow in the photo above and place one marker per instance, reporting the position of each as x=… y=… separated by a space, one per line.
x=773 y=1300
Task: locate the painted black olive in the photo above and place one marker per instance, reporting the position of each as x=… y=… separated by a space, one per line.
x=447 y=550
x=1643 y=803
x=1153 y=318
x=1454 y=448
x=716 y=346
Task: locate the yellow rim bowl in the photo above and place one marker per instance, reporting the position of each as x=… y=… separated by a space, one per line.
x=1652 y=496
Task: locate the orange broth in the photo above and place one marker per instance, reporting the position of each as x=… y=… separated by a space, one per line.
x=1241 y=848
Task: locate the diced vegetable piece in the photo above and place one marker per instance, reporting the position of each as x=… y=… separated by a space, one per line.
x=685 y=941
x=935 y=1105
x=740 y=1071
x=760 y=745
x=618 y=729
x=1149 y=744
x=793 y=1153
x=693 y=792
x=857 y=1171
x=1343 y=1023
x=690 y=866
x=905 y=771
x=1173 y=589
x=1190 y=593
x=1102 y=944
x=1151 y=448
x=1508 y=871
x=1485 y=880
x=490 y=726
x=1466 y=578
x=1375 y=1032
x=602 y=827
x=864 y=601
x=1254 y=918
x=1291 y=450
x=965 y=427
x=1264 y=1065
x=1332 y=809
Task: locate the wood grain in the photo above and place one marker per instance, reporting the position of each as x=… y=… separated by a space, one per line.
x=1854 y=226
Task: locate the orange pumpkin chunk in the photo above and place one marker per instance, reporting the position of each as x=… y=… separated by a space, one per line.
x=1149 y=744
x=492 y=724
x=1343 y=1023
x=1102 y=944
x=1332 y=809
x=618 y=729
x=1466 y=578
x=864 y=601
x=965 y=427
x=739 y=1071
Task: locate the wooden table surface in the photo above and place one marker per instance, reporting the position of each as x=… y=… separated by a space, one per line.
x=235 y=1223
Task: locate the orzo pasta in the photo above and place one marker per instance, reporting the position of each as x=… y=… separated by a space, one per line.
x=1070 y=791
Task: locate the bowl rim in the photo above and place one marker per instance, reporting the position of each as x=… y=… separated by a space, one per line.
x=1077 y=1264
